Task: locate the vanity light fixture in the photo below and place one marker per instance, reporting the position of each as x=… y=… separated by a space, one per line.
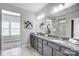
x=58 y=8
x=55 y=9
x=41 y=16
x=62 y=6
x=67 y=5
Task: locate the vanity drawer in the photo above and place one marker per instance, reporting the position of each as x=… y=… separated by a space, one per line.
x=39 y=40
x=44 y=42
x=54 y=46
x=68 y=52
x=58 y=54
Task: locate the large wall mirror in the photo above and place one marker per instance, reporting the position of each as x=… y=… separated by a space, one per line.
x=52 y=26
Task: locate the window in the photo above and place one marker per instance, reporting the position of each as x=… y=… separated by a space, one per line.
x=5 y=28
x=15 y=28
x=10 y=28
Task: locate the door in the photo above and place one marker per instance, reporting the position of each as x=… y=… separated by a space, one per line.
x=62 y=27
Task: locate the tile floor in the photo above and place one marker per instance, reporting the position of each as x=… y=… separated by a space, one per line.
x=20 y=51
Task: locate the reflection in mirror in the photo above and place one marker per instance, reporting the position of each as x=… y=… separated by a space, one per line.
x=62 y=27
x=44 y=25
x=76 y=28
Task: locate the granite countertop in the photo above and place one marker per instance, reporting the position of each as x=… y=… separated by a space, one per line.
x=61 y=42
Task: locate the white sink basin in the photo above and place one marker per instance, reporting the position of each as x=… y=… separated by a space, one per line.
x=74 y=41
x=45 y=35
x=59 y=41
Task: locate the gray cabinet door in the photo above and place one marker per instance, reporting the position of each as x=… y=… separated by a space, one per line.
x=40 y=43
x=35 y=43
x=31 y=40
x=40 y=50
x=47 y=51
x=40 y=46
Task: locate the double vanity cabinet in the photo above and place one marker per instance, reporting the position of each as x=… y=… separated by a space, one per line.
x=48 y=46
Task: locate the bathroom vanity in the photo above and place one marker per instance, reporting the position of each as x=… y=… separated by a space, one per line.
x=53 y=46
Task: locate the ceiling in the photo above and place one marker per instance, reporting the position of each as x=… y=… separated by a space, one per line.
x=33 y=7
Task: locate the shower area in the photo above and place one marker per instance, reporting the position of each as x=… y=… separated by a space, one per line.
x=10 y=30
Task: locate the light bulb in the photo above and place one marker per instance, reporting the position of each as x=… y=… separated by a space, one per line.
x=40 y=17
x=60 y=7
